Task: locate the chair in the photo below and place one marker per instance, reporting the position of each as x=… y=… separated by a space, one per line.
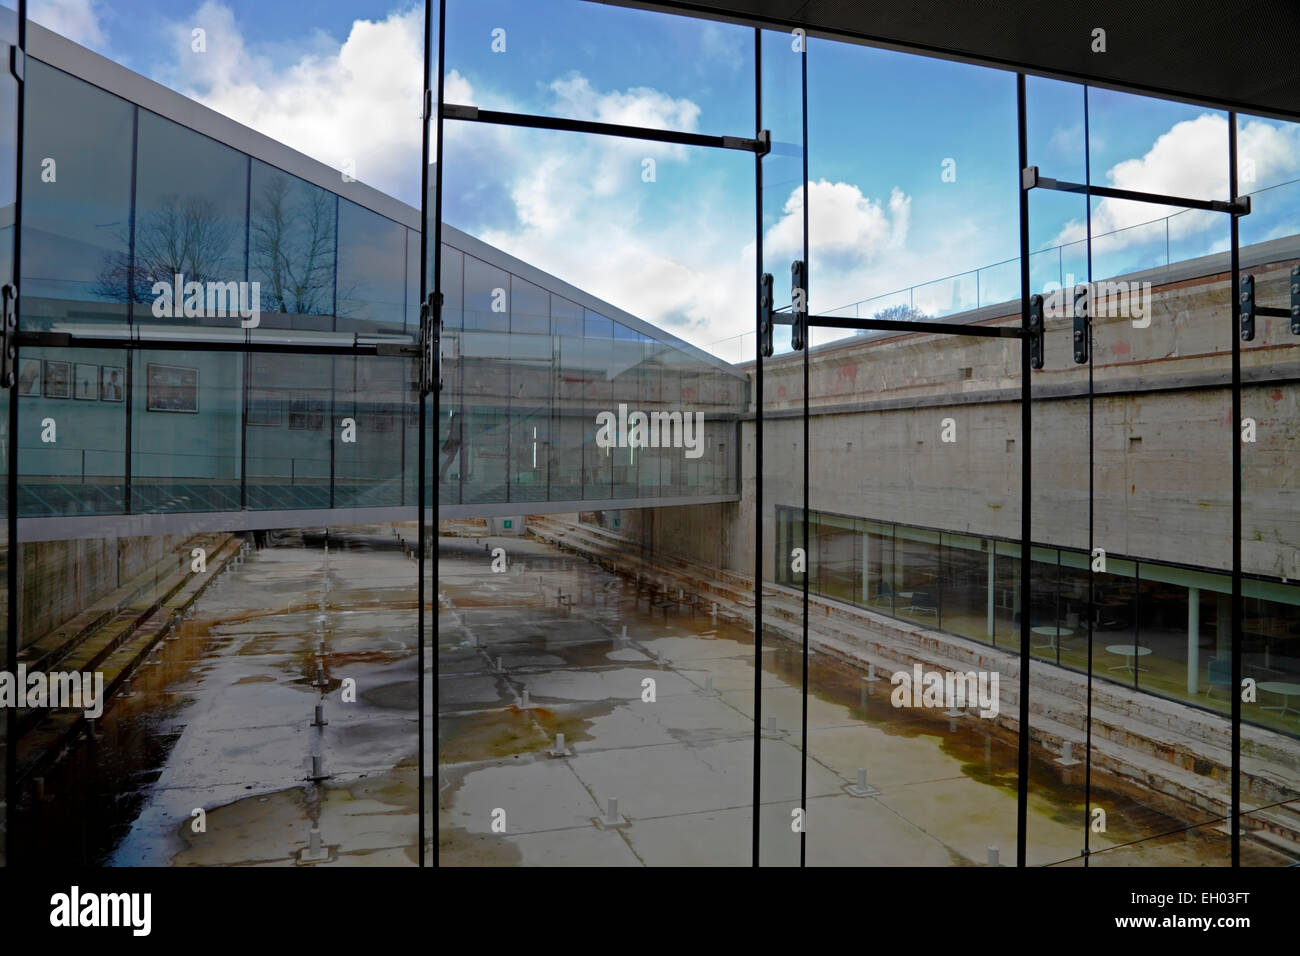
x=1218 y=674
x=923 y=603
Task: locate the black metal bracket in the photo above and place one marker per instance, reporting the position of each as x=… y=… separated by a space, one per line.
x=1246 y=296
x=431 y=344
x=1036 y=331
x=906 y=325
x=1082 y=325
x=765 y=323
x=17 y=63
x=1030 y=179
x=798 y=305
x=760 y=145
x=1295 y=300
x=8 y=334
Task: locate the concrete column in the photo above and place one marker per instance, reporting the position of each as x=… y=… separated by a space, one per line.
x=1223 y=637
x=1193 y=640
x=991 y=589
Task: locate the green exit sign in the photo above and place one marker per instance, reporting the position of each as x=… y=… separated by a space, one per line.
x=509 y=523
x=617 y=521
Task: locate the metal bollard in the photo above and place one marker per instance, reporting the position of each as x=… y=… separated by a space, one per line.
x=320 y=720
x=993 y=856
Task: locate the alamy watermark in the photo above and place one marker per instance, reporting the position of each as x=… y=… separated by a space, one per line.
x=640 y=429
x=951 y=689
x=196 y=300
x=1122 y=299
x=71 y=690
x=75 y=909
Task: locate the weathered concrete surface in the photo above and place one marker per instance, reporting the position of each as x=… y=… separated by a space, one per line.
x=239 y=699
x=681 y=767
x=1164 y=764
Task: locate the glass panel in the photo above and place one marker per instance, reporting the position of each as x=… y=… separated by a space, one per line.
x=1268 y=152
x=190 y=221
x=371 y=294
x=779 y=724
x=567 y=403
x=638 y=68
x=186 y=434
x=288 y=434
x=71 y=432
x=8 y=211
x=76 y=227
x=292 y=249
x=369 y=454
x=929 y=229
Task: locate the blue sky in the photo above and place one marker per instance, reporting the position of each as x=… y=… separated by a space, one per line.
x=667 y=232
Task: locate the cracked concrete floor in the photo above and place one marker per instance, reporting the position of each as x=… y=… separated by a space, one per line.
x=681 y=767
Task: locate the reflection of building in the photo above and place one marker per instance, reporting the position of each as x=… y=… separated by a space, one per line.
x=184 y=422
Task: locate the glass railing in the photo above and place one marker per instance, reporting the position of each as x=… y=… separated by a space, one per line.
x=1159 y=243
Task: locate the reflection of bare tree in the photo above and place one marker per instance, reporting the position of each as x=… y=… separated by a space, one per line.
x=185 y=236
x=292 y=247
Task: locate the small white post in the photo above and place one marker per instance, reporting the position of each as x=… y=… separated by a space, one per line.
x=993 y=856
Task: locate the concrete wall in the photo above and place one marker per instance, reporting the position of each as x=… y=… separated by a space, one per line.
x=1162 y=436
x=59 y=579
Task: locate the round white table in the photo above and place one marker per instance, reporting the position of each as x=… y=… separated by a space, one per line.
x=1284 y=689
x=1129 y=653
x=1052 y=631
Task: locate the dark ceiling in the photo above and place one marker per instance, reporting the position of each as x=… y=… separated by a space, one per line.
x=1235 y=54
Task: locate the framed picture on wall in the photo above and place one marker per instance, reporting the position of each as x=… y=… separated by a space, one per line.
x=56 y=384
x=112 y=383
x=86 y=383
x=265 y=407
x=172 y=388
x=29 y=376
x=306 y=413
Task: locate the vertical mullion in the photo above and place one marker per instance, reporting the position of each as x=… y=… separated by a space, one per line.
x=758 y=449
x=1233 y=434
x=130 y=312
x=1087 y=728
x=435 y=321
x=1022 y=741
x=248 y=356
x=807 y=347
x=11 y=484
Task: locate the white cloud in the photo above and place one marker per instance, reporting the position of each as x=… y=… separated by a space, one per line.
x=638 y=106
x=846 y=229
x=680 y=258
x=78 y=20
x=1190 y=159
x=358 y=101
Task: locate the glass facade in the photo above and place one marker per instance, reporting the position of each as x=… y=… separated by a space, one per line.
x=340 y=498
x=910 y=497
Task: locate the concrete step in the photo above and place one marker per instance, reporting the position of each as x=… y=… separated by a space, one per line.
x=115 y=650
